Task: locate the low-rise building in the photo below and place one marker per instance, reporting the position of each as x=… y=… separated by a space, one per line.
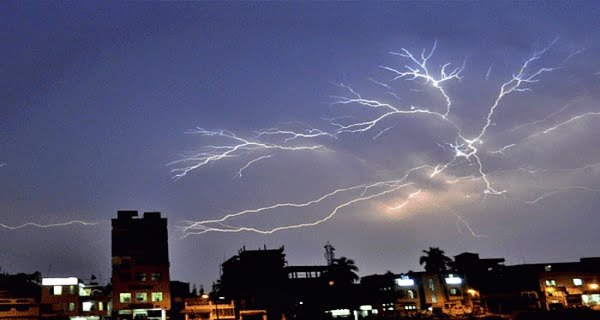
x=12 y=308
x=70 y=298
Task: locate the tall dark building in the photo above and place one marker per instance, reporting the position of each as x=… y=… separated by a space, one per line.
x=140 y=266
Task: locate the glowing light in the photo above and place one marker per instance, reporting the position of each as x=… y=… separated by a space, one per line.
x=71 y=281
x=405 y=282
x=453 y=280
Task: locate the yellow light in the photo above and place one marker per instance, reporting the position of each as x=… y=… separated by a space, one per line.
x=472 y=292
x=594 y=286
x=204 y=296
x=331 y=283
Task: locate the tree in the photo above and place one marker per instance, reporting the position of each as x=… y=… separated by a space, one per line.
x=435 y=260
x=343 y=271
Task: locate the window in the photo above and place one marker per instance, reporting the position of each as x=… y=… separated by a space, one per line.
x=101 y=306
x=71 y=289
x=454 y=292
x=577 y=282
x=155 y=276
x=57 y=290
x=71 y=306
x=410 y=294
x=87 y=306
x=140 y=276
x=551 y=283
x=548 y=268
x=157 y=296
x=85 y=292
x=141 y=297
x=125 y=297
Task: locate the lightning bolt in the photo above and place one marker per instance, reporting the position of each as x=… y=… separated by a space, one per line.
x=466 y=151
x=237 y=147
x=52 y=225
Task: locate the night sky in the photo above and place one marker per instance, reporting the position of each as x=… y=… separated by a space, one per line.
x=98 y=100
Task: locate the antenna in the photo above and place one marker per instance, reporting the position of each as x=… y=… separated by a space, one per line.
x=329 y=253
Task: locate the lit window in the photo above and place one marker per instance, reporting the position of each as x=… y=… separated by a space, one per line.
x=410 y=294
x=155 y=276
x=454 y=292
x=125 y=297
x=551 y=283
x=158 y=296
x=71 y=289
x=100 y=306
x=87 y=306
x=141 y=276
x=141 y=297
x=71 y=306
x=85 y=292
x=577 y=282
x=57 y=290
x=548 y=268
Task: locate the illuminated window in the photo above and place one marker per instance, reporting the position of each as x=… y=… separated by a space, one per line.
x=141 y=276
x=551 y=283
x=71 y=289
x=454 y=292
x=577 y=282
x=71 y=306
x=100 y=306
x=125 y=297
x=85 y=292
x=410 y=294
x=155 y=276
x=57 y=290
x=141 y=297
x=548 y=268
x=157 y=296
x=87 y=306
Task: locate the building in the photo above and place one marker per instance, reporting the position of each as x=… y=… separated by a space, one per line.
x=70 y=298
x=18 y=308
x=391 y=296
x=256 y=280
x=19 y=296
x=140 y=266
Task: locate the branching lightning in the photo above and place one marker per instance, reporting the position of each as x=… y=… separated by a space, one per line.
x=466 y=151
x=237 y=147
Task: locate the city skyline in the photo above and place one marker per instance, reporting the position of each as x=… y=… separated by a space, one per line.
x=101 y=102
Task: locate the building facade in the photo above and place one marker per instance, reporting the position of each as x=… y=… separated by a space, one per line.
x=140 y=266
x=71 y=298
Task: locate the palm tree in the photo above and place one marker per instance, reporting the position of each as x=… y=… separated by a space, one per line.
x=343 y=271
x=435 y=260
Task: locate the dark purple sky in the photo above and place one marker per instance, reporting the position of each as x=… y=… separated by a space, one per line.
x=96 y=100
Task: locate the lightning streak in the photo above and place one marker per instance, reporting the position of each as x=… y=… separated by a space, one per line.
x=464 y=151
x=239 y=173
x=238 y=146
x=45 y=226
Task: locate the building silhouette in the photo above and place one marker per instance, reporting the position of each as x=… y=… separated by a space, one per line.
x=140 y=266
